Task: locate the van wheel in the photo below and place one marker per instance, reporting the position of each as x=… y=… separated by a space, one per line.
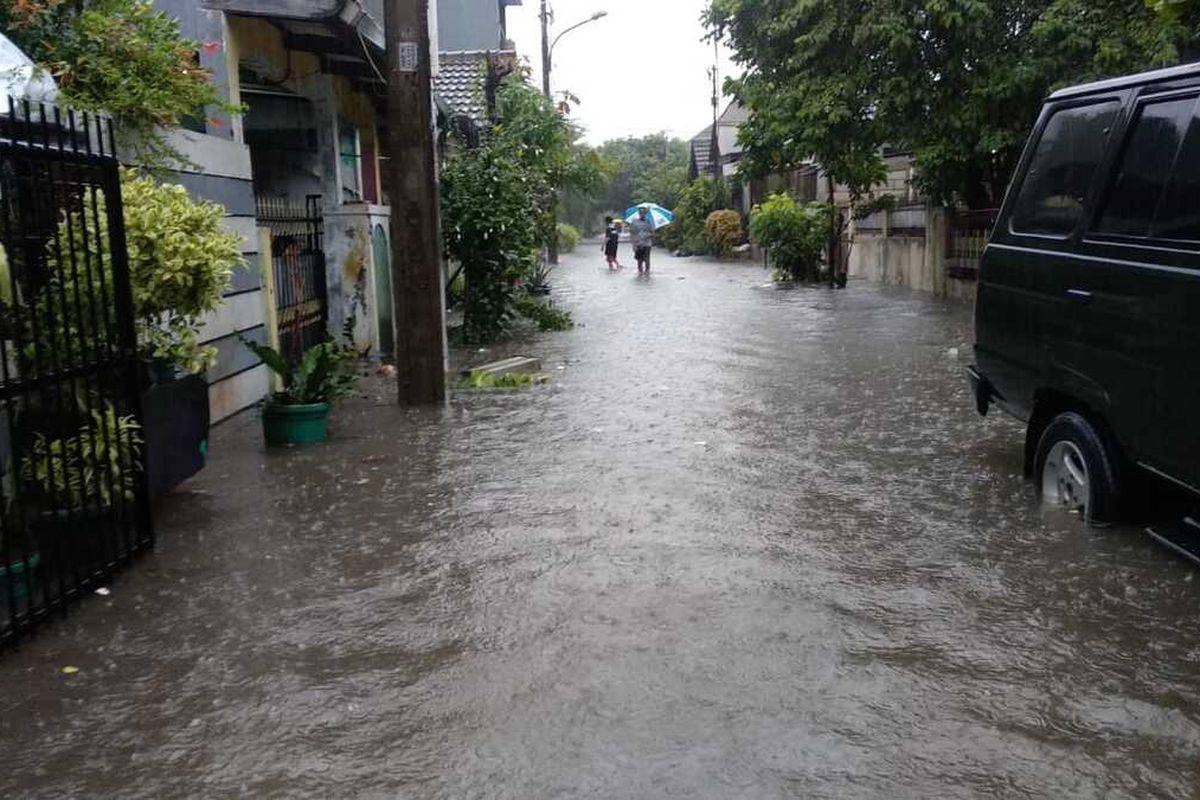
x=1075 y=469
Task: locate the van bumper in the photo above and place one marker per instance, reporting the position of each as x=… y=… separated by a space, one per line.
x=983 y=391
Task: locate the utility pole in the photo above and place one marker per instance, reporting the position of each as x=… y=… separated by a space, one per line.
x=544 y=15
x=552 y=241
x=715 y=145
x=417 y=289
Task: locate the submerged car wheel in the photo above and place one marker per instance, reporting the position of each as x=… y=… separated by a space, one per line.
x=1076 y=470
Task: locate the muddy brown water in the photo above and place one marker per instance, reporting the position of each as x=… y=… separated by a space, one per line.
x=748 y=543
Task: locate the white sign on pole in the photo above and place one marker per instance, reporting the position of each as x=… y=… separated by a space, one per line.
x=408 y=56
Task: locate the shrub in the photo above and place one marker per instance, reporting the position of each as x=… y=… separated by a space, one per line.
x=545 y=315
x=568 y=238
x=702 y=197
x=794 y=236
x=180 y=264
x=100 y=461
x=723 y=232
x=488 y=209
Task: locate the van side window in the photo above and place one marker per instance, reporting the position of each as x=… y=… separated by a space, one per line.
x=1153 y=194
x=1179 y=211
x=1056 y=185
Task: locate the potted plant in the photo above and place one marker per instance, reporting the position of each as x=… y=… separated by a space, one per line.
x=19 y=560
x=299 y=414
x=75 y=482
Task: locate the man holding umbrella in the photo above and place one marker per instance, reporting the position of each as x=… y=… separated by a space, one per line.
x=641 y=234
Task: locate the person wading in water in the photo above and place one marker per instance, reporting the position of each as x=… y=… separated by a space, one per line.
x=612 y=241
x=641 y=233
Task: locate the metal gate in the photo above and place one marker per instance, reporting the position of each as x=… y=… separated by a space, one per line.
x=73 y=500
x=298 y=256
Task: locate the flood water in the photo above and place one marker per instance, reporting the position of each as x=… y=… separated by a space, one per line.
x=747 y=543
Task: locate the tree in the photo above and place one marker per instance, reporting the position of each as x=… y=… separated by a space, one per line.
x=643 y=169
x=545 y=145
x=120 y=57
x=955 y=82
x=496 y=200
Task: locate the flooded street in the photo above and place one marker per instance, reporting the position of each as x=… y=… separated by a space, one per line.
x=747 y=543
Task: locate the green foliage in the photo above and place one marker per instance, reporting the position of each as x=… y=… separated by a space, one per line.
x=180 y=264
x=956 y=82
x=645 y=169
x=99 y=463
x=793 y=235
x=489 y=223
x=568 y=238
x=121 y=57
x=325 y=373
x=723 y=231
x=496 y=200
x=543 y=143
x=701 y=197
x=511 y=380
x=547 y=316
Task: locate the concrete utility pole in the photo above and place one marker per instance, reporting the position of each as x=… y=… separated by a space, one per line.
x=544 y=15
x=547 y=56
x=715 y=144
x=552 y=243
x=417 y=280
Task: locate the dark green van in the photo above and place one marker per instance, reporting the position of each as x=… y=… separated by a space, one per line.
x=1087 y=323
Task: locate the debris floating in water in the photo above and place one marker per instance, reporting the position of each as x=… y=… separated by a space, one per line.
x=103 y=591
x=70 y=670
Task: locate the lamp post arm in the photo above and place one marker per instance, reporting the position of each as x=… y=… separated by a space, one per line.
x=593 y=18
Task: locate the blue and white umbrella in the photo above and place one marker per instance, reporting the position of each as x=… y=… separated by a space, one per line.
x=657 y=215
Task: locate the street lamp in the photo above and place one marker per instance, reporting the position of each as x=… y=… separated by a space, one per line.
x=547 y=52
x=548 y=46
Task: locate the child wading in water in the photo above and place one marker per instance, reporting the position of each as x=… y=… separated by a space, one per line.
x=612 y=241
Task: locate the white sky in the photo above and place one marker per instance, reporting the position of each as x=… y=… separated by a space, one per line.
x=640 y=70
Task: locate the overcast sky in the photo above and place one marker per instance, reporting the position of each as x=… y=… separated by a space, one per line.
x=642 y=69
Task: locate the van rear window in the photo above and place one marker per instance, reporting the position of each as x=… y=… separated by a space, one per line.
x=1064 y=164
x=1156 y=192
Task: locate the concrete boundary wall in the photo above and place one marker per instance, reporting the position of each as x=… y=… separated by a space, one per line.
x=908 y=247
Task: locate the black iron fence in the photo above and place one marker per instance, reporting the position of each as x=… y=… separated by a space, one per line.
x=73 y=505
x=298 y=254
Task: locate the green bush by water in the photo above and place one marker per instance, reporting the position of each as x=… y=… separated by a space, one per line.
x=794 y=236
x=568 y=238
x=547 y=316
x=723 y=232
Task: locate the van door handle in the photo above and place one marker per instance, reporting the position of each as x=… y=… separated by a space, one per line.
x=1081 y=296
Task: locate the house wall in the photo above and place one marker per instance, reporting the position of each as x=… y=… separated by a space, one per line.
x=469 y=25
x=220 y=172
x=332 y=101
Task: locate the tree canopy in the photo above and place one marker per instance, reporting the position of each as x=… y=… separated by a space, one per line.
x=643 y=169
x=121 y=57
x=496 y=199
x=955 y=82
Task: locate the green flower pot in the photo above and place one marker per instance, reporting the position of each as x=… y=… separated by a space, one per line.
x=15 y=572
x=305 y=424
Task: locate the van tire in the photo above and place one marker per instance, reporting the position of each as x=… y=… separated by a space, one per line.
x=1071 y=437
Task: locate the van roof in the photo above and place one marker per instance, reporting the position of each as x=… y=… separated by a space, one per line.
x=1183 y=71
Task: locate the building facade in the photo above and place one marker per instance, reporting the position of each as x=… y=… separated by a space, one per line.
x=299 y=172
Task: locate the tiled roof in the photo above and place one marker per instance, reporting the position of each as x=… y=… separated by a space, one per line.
x=702 y=152
x=459 y=82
